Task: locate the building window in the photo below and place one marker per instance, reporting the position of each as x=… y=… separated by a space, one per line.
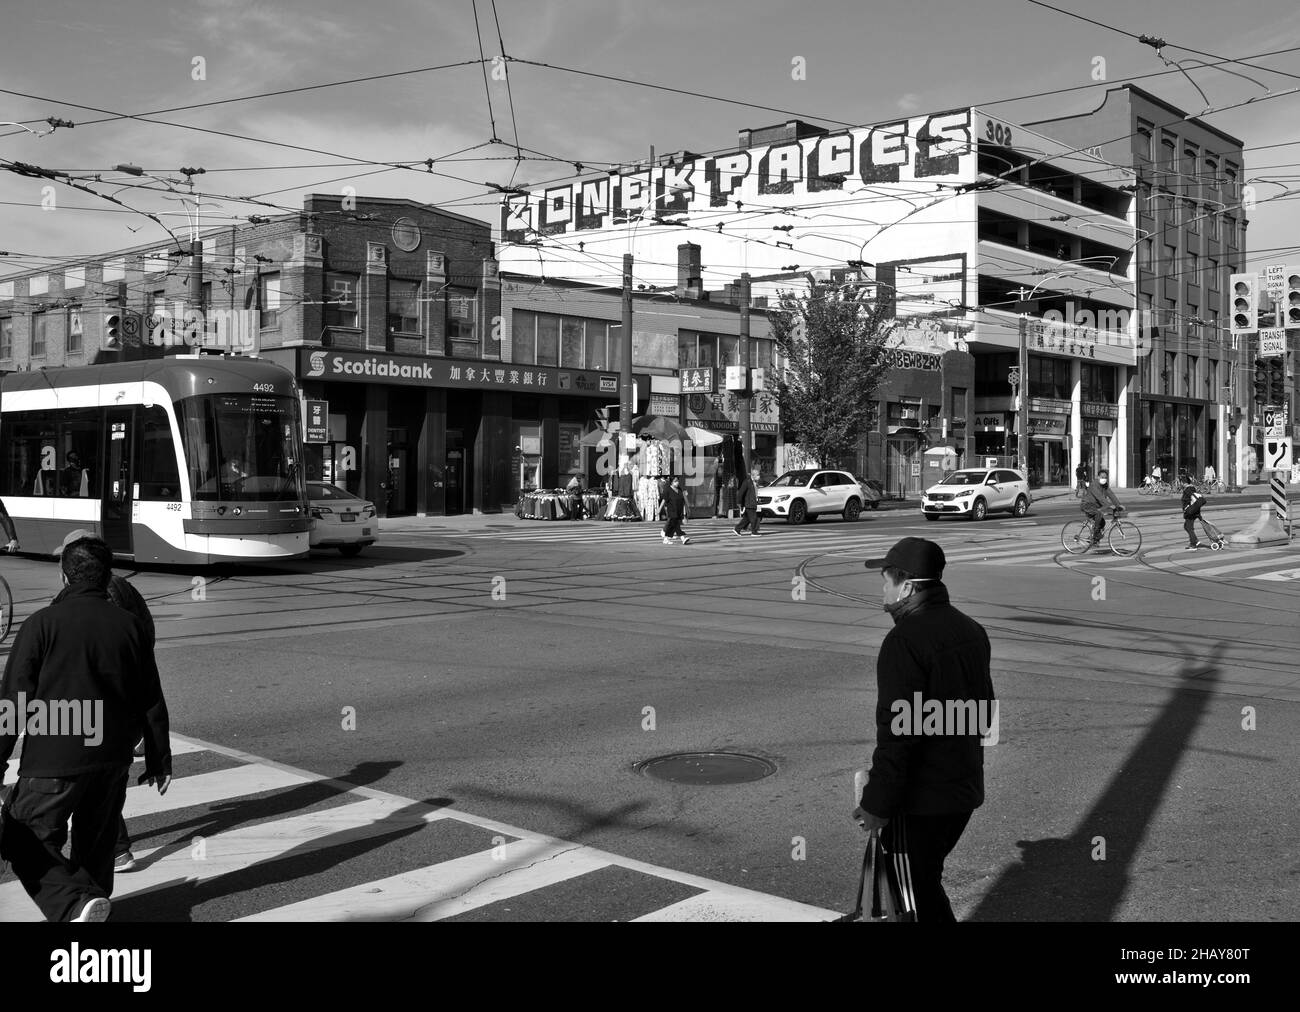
x=904 y=413
x=38 y=334
x=1193 y=214
x=341 y=300
x=1230 y=181
x=579 y=343
x=1212 y=274
x=571 y=335
x=1049 y=377
x=462 y=315
x=1097 y=382
x=1167 y=374
x=1212 y=224
x=1190 y=364
x=1146 y=142
x=958 y=411
x=1230 y=230
x=403 y=307
x=7 y=337
x=74 y=330
x=1193 y=270
x=697 y=351
x=270 y=297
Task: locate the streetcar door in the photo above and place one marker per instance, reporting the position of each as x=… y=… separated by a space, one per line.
x=115 y=515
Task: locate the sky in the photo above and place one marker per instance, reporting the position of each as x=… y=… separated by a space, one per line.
x=832 y=62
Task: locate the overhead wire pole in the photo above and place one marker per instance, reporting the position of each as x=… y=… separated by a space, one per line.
x=625 y=405
x=744 y=423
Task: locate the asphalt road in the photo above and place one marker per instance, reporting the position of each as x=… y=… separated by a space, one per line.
x=357 y=734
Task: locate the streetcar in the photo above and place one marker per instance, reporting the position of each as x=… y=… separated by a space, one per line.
x=186 y=460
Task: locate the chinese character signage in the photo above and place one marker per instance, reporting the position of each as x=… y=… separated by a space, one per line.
x=317 y=421
x=411 y=370
x=697 y=381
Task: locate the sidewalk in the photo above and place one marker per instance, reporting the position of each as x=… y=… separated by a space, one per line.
x=507 y=519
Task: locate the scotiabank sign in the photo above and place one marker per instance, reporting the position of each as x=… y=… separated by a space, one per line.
x=410 y=370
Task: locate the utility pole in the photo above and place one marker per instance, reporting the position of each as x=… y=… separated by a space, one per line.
x=744 y=424
x=627 y=397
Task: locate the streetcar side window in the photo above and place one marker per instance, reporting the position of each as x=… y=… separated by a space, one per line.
x=53 y=454
x=78 y=456
x=160 y=479
x=30 y=457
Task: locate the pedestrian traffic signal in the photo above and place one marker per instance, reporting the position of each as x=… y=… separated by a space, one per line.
x=1261 y=381
x=113 y=330
x=1245 y=303
x=1291 y=299
x=1276 y=381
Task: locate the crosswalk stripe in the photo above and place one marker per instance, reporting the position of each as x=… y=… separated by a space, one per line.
x=447 y=889
x=209 y=788
x=717 y=905
x=179 y=747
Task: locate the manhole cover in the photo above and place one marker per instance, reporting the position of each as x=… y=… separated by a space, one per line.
x=707 y=768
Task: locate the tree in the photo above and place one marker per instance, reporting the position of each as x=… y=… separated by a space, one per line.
x=832 y=342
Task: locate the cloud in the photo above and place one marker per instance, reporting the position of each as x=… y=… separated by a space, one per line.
x=909 y=103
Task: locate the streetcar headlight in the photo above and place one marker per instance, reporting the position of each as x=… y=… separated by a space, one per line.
x=237 y=511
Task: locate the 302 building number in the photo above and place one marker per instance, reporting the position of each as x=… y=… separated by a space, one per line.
x=997 y=133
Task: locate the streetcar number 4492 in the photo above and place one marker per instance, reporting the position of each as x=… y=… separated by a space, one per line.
x=264 y=388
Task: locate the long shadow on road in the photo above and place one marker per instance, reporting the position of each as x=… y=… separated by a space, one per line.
x=1061 y=879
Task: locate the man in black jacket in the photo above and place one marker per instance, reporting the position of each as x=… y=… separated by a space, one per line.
x=83 y=657
x=935 y=709
x=747 y=499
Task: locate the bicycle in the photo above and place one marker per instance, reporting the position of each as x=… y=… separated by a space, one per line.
x=1155 y=488
x=6 y=609
x=1123 y=537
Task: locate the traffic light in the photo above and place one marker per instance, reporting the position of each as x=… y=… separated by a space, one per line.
x=1291 y=299
x=113 y=330
x=1276 y=381
x=1245 y=303
x=1261 y=381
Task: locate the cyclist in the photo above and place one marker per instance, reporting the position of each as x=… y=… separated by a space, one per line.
x=1095 y=498
x=11 y=536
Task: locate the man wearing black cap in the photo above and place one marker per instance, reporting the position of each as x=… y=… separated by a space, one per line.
x=934 y=704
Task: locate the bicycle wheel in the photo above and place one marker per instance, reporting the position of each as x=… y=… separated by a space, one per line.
x=1124 y=539
x=6 y=609
x=1076 y=536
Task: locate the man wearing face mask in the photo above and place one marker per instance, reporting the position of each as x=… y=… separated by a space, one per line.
x=1095 y=499
x=926 y=779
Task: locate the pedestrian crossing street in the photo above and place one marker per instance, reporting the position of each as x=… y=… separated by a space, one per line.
x=1010 y=543
x=239 y=839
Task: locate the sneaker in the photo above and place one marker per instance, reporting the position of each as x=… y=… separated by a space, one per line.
x=95 y=911
x=1193 y=548
x=668 y=541
x=686 y=541
x=739 y=534
x=756 y=535
x=124 y=862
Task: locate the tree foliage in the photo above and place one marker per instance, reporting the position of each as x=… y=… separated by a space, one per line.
x=832 y=341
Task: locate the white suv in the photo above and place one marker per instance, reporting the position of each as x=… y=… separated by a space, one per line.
x=974 y=493
x=805 y=495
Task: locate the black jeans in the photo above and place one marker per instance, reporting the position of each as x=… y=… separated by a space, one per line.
x=749 y=519
x=673 y=527
x=36 y=827
x=1098 y=524
x=917 y=846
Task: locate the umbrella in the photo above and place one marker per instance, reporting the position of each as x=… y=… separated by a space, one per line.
x=702 y=437
x=658 y=427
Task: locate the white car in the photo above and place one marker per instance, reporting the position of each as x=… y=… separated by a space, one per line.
x=340 y=519
x=797 y=496
x=975 y=493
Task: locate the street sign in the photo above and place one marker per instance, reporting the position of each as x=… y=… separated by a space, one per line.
x=317 y=422
x=1275 y=282
x=1277 y=453
x=1274 y=422
x=1272 y=342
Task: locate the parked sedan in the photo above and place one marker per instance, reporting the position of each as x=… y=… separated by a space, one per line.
x=802 y=495
x=340 y=519
x=976 y=493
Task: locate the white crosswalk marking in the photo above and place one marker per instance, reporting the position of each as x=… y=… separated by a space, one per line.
x=519 y=862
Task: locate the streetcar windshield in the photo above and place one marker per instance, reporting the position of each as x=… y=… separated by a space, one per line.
x=243 y=447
